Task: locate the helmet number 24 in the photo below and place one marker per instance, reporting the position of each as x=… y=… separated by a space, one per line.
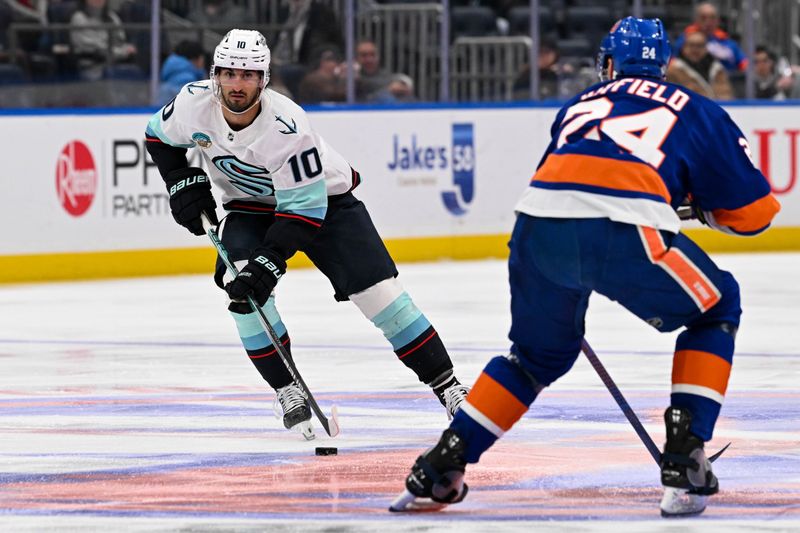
x=648 y=52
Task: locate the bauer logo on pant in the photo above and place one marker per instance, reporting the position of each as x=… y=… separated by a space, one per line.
x=76 y=178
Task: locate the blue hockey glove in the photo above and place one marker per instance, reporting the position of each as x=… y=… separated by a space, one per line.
x=189 y=195
x=258 y=278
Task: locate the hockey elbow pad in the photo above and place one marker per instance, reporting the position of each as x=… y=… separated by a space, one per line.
x=190 y=195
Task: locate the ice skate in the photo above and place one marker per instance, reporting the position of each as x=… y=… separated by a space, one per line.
x=685 y=471
x=437 y=477
x=296 y=413
x=451 y=394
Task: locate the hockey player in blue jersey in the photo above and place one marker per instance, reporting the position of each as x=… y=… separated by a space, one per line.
x=600 y=214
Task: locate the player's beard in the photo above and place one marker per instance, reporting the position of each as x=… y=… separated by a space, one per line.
x=239 y=106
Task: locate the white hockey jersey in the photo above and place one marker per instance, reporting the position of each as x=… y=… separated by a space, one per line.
x=278 y=160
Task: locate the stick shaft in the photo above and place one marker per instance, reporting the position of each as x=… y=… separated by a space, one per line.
x=331 y=426
x=621 y=402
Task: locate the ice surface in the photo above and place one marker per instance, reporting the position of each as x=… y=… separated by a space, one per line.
x=129 y=405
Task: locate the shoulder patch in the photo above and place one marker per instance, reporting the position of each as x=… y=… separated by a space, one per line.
x=194 y=86
x=290 y=129
x=202 y=140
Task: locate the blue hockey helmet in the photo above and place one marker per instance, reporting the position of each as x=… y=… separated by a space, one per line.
x=634 y=47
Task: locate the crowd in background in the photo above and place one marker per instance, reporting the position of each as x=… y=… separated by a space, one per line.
x=308 y=65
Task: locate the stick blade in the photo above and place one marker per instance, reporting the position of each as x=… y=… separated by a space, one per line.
x=331 y=425
x=716 y=455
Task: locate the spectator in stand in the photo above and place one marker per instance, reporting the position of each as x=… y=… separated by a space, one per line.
x=186 y=64
x=696 y=69
x=773 y=82
x=372 y=79
x=95 y=48
x=400 y=90
x=309 y=25
x=720 y=44
x=556 y=79
x=326 y=81
x=218 y=14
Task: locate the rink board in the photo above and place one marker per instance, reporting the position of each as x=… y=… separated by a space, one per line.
x=85 y=200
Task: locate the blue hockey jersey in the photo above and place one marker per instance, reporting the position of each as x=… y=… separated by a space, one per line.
x=633 y=149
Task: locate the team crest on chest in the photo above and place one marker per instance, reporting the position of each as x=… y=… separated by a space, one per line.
x=250 y=179
x=201 y=139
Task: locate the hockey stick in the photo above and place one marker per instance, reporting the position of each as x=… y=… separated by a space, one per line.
x=331 y=425
x=620 y=399
x=626 y=408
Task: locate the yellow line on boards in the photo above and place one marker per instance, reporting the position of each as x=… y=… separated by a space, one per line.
x=134 y=263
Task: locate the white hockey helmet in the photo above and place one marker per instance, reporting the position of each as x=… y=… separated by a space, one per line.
x=242 y=49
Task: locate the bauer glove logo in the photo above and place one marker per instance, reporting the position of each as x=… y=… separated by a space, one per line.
x=187 y=182
x=269 y=265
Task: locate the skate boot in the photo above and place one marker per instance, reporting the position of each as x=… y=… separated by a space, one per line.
x=451 y=393
x=685 y=471
x=296 y=413
x=437 y=477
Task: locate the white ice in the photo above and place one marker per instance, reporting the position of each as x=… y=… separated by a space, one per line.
x=129 y=405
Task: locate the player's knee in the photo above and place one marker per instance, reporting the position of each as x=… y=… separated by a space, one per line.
x=513 y=361
x=383 y=301
x=728 y=309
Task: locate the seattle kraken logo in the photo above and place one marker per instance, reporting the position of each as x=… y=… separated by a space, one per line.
x=250 y=179
x=463 y=161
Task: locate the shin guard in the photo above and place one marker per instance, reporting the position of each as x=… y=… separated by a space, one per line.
x=502 y=394
x=257 y=344
x=413 y=338
x=700 y=371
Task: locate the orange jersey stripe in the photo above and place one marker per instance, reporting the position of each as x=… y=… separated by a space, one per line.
x=752 y=217
x=704 y=293
x=704 y=369
x=495 y=402
x=602 y=172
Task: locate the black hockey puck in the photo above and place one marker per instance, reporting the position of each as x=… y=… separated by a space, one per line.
x=326 y=451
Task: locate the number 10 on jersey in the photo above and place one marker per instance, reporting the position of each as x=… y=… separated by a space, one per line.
x=309 y=165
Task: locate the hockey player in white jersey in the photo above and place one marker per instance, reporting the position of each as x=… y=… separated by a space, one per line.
x=284 y=189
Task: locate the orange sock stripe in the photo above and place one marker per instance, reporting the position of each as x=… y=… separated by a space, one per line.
x=704 y=369
x=495 y=402
x=681 y=268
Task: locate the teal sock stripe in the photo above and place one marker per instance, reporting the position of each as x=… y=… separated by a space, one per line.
x=250 y=330
x=401 y=322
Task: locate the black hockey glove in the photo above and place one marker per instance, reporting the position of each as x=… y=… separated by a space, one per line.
x=258 y=278
x=689 y=210
x=189 y=195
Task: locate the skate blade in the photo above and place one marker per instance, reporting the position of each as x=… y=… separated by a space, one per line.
x=679 y=503
x=306 y=430
x=408 y=503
